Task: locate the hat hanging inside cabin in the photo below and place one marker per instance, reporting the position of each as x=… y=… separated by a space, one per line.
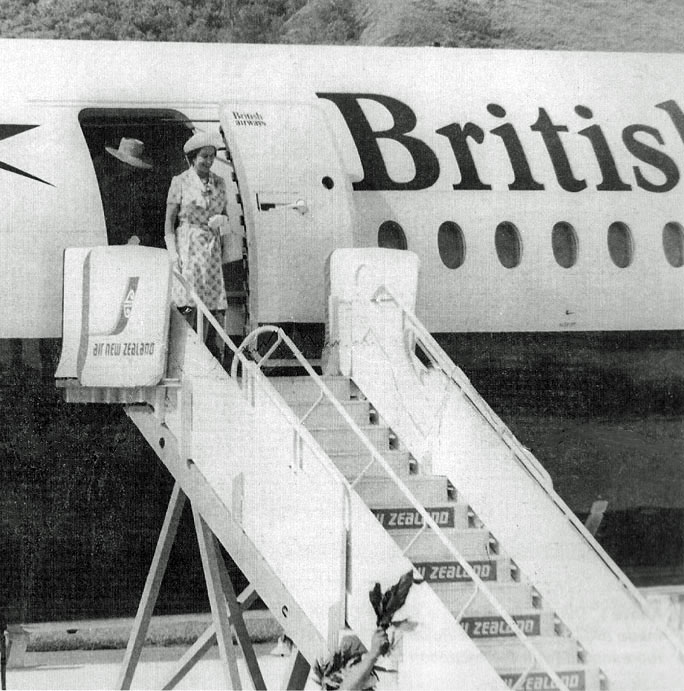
x=130 y=151
x=198 y=141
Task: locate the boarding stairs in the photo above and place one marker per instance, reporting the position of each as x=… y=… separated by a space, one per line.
x=320 y=486
x=258 y=482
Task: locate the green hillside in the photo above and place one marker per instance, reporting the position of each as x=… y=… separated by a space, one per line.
x=641 y=25
x=638 y=25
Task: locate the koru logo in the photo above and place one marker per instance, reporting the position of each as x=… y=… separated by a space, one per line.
x=127 y=304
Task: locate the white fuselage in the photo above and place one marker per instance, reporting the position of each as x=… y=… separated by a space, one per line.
x=476 y=138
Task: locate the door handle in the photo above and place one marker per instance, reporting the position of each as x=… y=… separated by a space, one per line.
x=300 y=206
x=266 y=204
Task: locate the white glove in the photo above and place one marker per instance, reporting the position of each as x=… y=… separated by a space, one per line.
x=219 y=222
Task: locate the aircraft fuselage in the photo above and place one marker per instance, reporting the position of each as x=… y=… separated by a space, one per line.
x=540 y=190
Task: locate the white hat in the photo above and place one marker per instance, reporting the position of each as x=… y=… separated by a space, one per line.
x=198 y=141
x=130 y=151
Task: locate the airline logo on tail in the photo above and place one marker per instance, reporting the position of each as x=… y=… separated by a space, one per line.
x=7 y=131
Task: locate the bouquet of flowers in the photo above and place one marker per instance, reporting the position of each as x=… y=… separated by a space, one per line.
x=388 y=604
x=331 y=674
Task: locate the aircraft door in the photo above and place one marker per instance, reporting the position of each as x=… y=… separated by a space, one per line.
x=297 y=204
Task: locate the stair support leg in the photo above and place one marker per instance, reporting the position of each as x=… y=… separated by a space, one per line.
x=297 y=672
x=217 y=601
x=205 y=642
x=238 y=622
x=193 y=655
x=152 y=585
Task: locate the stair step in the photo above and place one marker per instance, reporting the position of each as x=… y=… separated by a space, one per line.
x=430 y=490
x=489 y=569
x=326 y=415
x=510 y=653
x=514 y=597
x=472 y=543
x=400 y=520
x=304 y=389
x=351 y=465
x=345 y=440
x=532 y=623
x=575 y=677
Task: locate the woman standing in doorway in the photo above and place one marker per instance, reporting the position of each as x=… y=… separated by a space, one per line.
x=197 y=204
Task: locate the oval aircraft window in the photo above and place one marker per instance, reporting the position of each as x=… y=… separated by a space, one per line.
x=620 y=244
x=508 y=245
x=565 y=245
x=391 y=236
x=673 y=243
x=451 y=244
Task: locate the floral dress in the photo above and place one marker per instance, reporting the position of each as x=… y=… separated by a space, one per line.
x=198 y=246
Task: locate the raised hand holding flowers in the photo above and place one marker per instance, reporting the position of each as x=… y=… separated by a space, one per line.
x=349 y=668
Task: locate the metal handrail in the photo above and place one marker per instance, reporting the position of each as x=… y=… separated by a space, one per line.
x=531 y=464
x=454 y=373
x=428 y=521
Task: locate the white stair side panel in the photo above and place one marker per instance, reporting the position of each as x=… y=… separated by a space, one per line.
x=295 y=516
x=238 y=448
x=285 y=609
x=549 y=550
x=436 y=422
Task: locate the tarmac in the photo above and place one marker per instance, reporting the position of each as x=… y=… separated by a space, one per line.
x=88 y=654
x=100 y=669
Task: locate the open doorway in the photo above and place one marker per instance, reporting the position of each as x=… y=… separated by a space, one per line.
x=136 y=152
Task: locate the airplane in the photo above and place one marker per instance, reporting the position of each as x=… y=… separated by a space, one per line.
x=541 y=190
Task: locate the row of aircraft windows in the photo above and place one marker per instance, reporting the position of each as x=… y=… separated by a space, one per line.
x=564 y=242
